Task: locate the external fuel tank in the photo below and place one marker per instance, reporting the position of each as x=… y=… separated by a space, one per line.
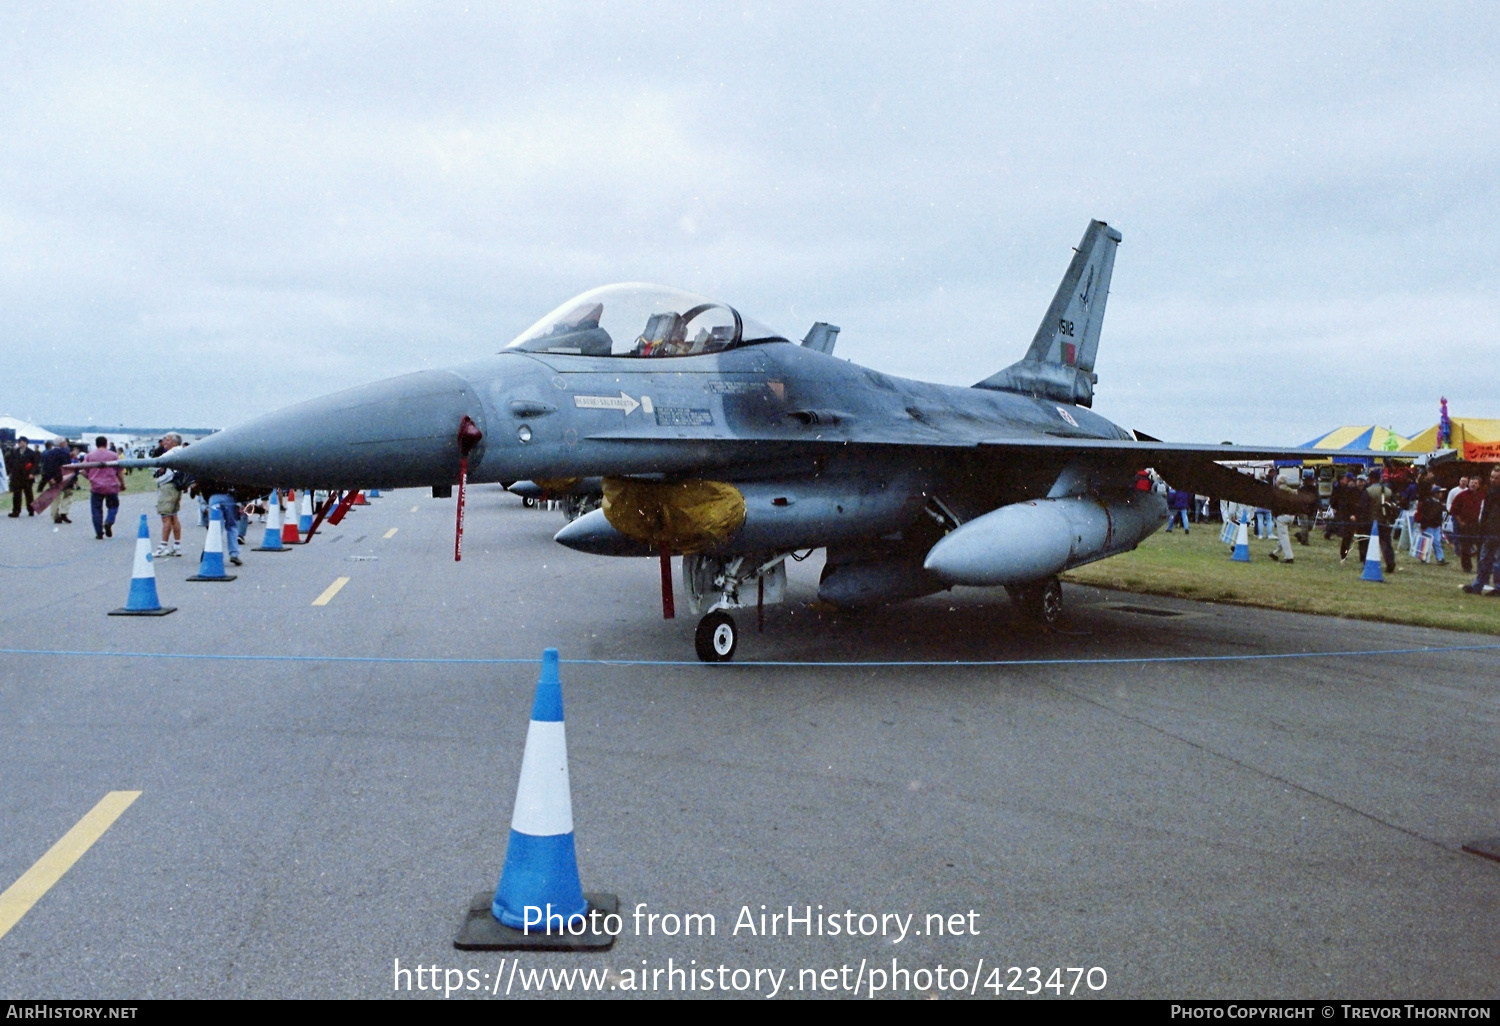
x=1033 y=540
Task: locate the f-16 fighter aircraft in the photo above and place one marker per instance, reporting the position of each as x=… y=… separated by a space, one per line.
x=721 y=441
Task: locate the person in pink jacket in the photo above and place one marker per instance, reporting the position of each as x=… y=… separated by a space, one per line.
x=105 y=486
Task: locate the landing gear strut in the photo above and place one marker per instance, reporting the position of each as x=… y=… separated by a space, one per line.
x=1040 y=600
x=714 y=585
x=716 y=637
x=575 y=506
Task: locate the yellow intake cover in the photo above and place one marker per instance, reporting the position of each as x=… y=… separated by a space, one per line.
x=558 y=485
x=685 y=516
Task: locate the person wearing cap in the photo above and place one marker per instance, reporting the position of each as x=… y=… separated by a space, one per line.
x=22 y=463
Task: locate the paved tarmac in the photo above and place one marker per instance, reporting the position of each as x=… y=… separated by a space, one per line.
x=1227 y=828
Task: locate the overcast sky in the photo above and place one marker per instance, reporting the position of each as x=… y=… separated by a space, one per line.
x=208 y=211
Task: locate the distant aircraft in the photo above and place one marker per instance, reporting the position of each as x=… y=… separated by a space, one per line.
x=719 y=440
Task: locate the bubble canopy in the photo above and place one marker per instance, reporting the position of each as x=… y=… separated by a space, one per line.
x=639 y=320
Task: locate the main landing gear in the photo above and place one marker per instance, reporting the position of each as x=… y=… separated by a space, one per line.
x=1040 y=600
x=575 y=506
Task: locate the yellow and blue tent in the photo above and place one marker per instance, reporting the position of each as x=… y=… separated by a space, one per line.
x=1354 y=436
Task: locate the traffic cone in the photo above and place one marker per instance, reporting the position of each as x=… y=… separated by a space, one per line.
x=1372 y=557
x=271 y=542
x=289 y=524
x=1242 y=544
x=374 y=493
x=305 y=512
x=359 y=499
x=143 y=600
x=211 y=566
x=540 y=904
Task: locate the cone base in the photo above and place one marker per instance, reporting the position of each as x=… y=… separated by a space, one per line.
x=200 y=577
x=481 y=931
x=160 y=611
x=262 y=548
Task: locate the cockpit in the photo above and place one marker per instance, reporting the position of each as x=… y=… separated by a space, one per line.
x=637 y=320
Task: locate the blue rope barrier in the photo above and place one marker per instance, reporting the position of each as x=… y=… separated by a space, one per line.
x=873 y=664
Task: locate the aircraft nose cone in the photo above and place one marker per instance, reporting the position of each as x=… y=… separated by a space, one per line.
x=390 y=434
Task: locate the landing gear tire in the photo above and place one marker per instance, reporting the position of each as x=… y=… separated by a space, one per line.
x=1041 y=601
x=716 y=637
x=527 y=502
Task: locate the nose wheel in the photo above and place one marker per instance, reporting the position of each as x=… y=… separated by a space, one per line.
x=716 y=637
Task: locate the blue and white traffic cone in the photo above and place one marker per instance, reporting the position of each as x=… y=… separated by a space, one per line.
x=1372 y=557
x=540 y=903
x=211 y=566
x=374 y=493
x=541 y=865
x=305 y=513
x=1242 y=544
x=143 y=600
x=271 y=542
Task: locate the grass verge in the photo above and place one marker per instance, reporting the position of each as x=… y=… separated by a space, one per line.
x=1197 y=566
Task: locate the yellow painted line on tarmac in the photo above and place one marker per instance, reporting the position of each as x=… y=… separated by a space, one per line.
x=38 y=880
x=392 y=532
x=330 y=592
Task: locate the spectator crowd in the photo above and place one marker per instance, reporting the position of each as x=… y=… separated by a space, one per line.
x=1401 y=506
x=49 y=479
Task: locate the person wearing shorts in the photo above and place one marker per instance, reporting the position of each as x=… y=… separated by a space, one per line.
x=169 y=501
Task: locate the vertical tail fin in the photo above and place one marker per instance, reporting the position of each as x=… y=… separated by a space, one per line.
x=1060 y=363
x=821 y=336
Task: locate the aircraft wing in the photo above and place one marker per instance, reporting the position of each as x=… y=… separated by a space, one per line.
x=1191 y=466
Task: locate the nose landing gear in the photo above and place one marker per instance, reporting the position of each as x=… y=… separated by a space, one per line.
x=714 y=585
x=716 y=637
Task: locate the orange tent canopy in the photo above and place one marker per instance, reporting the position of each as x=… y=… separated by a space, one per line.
x=1475 y=439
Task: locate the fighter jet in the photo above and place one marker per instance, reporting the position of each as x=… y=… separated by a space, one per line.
x=721 y=441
